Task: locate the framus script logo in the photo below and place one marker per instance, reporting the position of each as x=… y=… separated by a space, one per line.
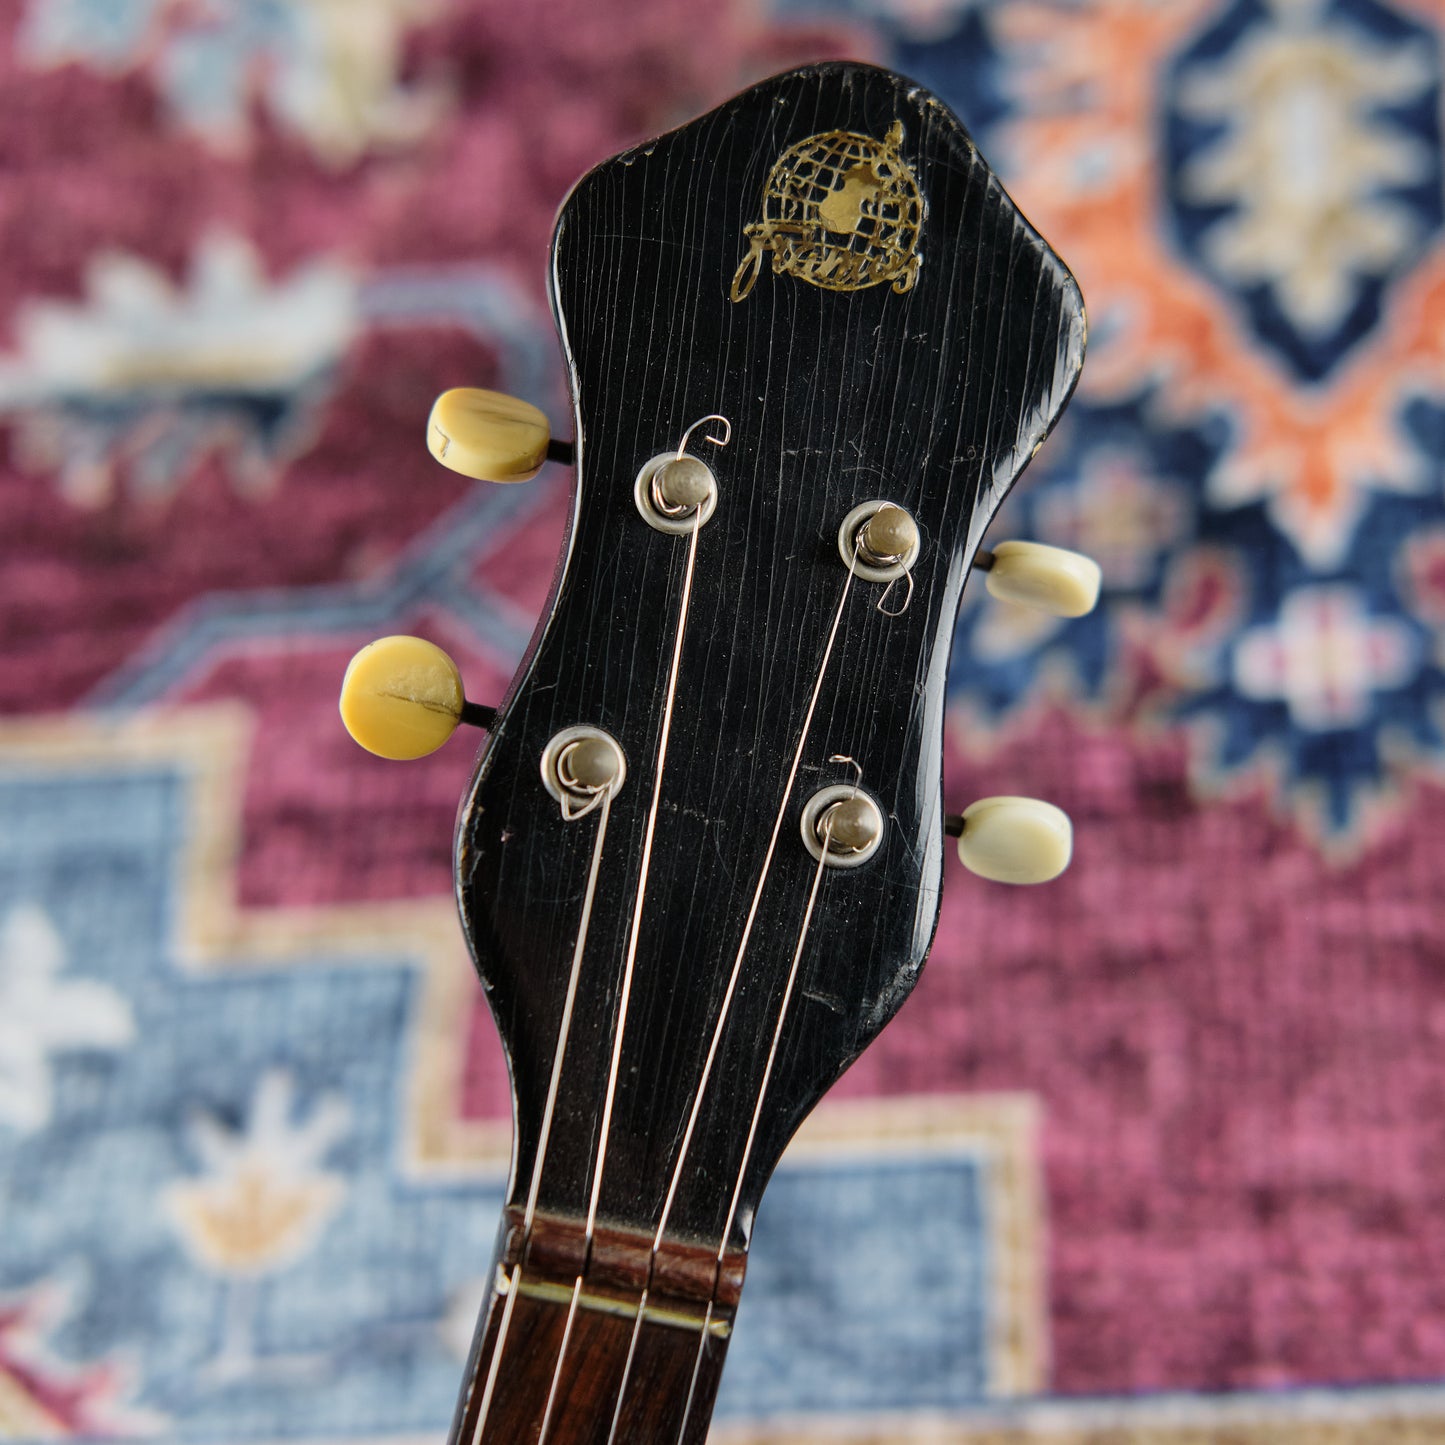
x=841 y=211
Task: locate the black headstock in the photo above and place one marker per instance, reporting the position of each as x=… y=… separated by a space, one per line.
x=930 y=388
x=827 y=276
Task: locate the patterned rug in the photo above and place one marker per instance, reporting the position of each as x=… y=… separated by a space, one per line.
x=1168 y=1148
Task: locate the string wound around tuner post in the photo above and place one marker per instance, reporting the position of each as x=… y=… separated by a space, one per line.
x=677 y=491
x=583 y=768
x=880 y=541
x=842 y=824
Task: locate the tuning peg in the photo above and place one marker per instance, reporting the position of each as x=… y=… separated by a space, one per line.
x=1013 y=840
x=1050 y=579
x=491 y=436
x=402 y=698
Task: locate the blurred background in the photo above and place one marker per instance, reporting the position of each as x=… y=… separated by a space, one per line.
x=1154 y=1155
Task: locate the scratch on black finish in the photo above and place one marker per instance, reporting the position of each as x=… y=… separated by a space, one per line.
x=935 y=399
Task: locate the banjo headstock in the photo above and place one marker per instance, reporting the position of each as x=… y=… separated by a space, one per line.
x=811 y=344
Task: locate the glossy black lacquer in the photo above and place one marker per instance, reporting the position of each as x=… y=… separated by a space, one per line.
x=934 y=398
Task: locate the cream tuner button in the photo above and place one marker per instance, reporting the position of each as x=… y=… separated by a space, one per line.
x=1050 y=579
x=490 y=436
x=1013 y=840
x=402 y=698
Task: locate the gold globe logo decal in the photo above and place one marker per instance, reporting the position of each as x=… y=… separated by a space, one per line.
x=841 y=211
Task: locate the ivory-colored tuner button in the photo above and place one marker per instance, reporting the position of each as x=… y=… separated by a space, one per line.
x=890 y=533
x=402 y=698
x=1049 y=579
x=684 y=483
x=849 y=825
x=1015 y=840
x=587 y=765
x=487 y=435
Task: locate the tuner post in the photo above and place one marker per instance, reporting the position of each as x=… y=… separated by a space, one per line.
x=675 y=494
x=583 y=767
x=842 y=825
x=682 y=484
x=888 y=537
x=879 y=541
